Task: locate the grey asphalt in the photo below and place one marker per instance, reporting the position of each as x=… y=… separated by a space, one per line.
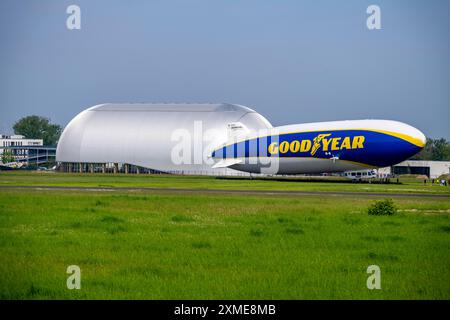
x=233 y=191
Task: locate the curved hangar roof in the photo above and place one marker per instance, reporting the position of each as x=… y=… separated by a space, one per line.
x=143 y=134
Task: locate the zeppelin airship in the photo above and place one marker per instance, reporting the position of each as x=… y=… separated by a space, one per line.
x=320 y=147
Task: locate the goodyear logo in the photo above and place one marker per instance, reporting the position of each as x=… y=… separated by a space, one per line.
x=321 y=142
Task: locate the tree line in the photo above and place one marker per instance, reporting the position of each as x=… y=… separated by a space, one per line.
x=435 y=149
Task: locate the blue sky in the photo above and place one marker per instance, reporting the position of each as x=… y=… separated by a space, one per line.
x=292 y=61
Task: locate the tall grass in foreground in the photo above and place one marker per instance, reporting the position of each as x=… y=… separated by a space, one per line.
x=150 y=246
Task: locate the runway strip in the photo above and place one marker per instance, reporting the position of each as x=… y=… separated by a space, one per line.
x=233 y=191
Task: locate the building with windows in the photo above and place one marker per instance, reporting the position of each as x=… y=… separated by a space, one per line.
x=14 y=144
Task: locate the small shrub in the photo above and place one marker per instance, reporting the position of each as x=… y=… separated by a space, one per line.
x=382 y=208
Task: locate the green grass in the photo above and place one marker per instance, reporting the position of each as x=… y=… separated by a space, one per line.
x=23 y=178
x=216 y=246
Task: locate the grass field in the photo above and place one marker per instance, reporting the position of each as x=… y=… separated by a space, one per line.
x=150 y=245
x=23 y=178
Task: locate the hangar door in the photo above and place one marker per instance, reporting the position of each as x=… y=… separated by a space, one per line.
x=412 y=170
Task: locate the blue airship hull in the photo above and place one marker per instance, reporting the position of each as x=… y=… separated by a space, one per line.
x=321 y=150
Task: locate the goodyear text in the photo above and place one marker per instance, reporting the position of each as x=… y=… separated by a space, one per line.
x=321 y=142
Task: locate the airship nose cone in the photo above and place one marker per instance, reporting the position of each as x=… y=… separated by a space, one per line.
x=411 y=134
x=421 y=138
x=396 y=142
x=412 y=141
x=418 y=138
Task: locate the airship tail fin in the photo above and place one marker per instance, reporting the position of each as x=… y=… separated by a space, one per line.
x=224 y=163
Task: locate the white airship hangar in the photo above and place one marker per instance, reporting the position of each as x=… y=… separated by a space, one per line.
x=141 y=138
x=224 y=139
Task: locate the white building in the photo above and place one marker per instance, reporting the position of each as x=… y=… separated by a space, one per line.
x=17 y=141
x=432 y=169
x=164 y=137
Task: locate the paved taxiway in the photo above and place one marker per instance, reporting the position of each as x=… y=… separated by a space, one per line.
x=234 y=191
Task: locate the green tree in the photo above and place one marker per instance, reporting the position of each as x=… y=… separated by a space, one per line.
x=435 y=149
x=35 y=127
x=440 y=149
x=7 y=156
